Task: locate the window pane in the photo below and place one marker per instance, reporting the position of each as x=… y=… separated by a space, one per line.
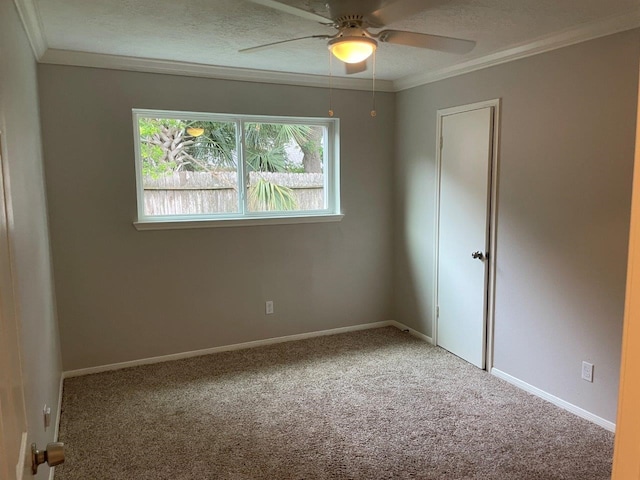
x=285 y=167
x=188 y=167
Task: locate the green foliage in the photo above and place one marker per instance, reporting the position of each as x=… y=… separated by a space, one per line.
x=285 y=132
x=265 y=142
x=267 y=196
x=266 y=159
x=152 y=154
x=167 y=147
x=217 y=146
x=151 y=126
x=151 y=164
x=311 y=146
x=264 y=147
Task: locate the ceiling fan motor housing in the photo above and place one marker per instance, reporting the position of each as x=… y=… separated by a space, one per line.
x=350 y=20
x=351 y=26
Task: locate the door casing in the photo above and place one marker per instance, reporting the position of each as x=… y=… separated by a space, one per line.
x=493 y=211
x=13 y=422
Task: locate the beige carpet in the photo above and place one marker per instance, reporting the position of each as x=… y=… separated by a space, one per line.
x=377 y=404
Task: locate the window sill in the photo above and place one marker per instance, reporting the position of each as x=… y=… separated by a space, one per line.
x=164 y=224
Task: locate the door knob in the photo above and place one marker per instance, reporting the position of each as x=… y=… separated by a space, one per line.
x=479 y=255
x=53 y=455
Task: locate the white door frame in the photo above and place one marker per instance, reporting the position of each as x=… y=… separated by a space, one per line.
x=493 y=211
x=10 y=354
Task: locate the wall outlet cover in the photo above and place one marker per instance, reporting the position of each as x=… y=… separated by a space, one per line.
x=587 y=371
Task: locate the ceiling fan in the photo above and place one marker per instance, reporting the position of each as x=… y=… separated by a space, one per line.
x=353 y=43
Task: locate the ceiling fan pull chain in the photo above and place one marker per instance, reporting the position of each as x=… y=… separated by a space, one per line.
x=373 y=82
x=330 y=86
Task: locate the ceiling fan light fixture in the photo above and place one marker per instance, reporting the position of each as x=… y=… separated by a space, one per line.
x=352 y=49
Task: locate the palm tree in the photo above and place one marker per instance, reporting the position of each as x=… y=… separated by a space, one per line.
x=311 y=146
x=168 y=147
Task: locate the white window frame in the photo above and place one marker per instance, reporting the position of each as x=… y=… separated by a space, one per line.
x=331 y=171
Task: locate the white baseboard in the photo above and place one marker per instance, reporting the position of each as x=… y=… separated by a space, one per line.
x=289 y=338
x=581 y=412
x=237 y=346
x=415 y=333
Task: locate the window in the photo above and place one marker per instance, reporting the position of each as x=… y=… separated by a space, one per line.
x=204 y=169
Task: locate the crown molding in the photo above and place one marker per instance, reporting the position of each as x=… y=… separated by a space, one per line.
x=118 y=62
x=30 y=18
x=28 y=12
x=589 y=31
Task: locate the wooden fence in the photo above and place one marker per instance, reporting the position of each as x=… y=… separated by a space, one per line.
x=188 y=193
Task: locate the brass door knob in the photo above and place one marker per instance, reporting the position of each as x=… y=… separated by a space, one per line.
x=53 y=455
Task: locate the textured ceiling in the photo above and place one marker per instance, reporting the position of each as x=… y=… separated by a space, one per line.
x=211 y=32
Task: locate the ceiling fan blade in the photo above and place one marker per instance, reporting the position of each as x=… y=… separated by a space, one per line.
x=298 y=12
x=352 y=68
x=425 y=40
x=345 y=8
x=399 y=10
x=269 y=45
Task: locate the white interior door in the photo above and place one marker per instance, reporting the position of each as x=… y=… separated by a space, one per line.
x=13 y=424
x=463 y=232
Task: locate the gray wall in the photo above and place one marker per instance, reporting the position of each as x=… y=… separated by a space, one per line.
x=125 y=295
x=28 y=233
x=566 y=156
x=566 y=160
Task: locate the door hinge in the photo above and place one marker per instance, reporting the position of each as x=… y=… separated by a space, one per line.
x=437 y=312
x=441 y=142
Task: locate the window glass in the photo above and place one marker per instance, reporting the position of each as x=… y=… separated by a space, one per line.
x=214 y=166
x=285 y=166
x=188 y=167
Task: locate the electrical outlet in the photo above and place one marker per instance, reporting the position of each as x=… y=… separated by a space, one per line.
x=268 y=307
x=587 y=371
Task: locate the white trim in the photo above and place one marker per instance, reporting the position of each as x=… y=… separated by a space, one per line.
x=23 y=458
x=170 y=67
x=494 y=104
x=582 y=33
x=493 y=234
x=30 y=17
x=224 y=348
x=415 y=333
x=243 y=217
x=33 y=26
x=580 y=412
x=435 y=314
x=444 y=112
x=59 y=409
x=239 y=222
x=138 y=167
x=289 y=338
x=56 y=430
